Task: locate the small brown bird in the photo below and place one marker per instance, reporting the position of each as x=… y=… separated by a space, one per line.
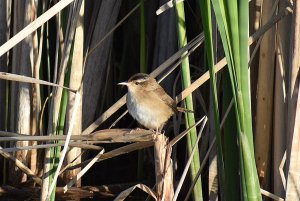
x=148 y=103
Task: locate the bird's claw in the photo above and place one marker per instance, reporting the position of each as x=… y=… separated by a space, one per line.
x=133 y=130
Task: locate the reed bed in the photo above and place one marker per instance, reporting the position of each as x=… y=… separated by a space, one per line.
x=65 y=132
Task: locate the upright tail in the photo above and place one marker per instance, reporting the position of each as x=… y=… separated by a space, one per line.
x=181 y=109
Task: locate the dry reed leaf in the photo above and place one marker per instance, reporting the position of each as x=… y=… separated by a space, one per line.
x=122 y=196
x=34 y=25
x=115 y=107
x=269 y=25
x=182 y=134
x=185 y=171
x=281 y=171
x=84 y=145
x=22 y=78
x=200 y=170
x=83 y=171
x=21 y=166
x=178 y=55
x=118 y=119
x=116 y=152
x=270 y=195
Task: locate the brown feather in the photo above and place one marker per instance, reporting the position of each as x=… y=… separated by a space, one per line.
x=153 y=86
x=148 y=103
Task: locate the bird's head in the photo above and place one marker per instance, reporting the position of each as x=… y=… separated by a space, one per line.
x=139 y=81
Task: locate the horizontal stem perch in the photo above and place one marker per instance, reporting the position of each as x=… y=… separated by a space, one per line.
x=133 y=146
x=32 y=193
x=102 y=136
x=124 y=135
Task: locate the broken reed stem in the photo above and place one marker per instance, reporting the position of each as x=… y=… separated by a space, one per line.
x=163 y=168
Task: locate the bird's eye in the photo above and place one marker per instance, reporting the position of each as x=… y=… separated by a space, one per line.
x=137 y=83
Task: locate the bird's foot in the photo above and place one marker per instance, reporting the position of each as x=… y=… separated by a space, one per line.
x=158 y=132
x=153 y=130
x=133 y=130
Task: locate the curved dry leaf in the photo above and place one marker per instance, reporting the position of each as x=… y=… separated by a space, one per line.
x=124 y=194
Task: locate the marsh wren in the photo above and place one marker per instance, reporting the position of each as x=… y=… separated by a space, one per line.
x=148 y=103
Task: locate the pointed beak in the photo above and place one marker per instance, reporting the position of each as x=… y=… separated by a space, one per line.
x=123 y=83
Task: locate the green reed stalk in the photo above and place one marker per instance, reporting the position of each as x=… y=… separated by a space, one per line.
x=207 y=26
x=232 y=18
x=189 y=117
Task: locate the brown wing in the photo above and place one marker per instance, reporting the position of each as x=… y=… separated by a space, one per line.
x=182 y=109
x=166 y=98
x=157 y=90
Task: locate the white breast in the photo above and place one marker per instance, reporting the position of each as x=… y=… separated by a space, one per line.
x=152 y=118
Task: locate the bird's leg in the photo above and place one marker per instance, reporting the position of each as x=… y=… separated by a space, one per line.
x=160 y=130
x=156 y=133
